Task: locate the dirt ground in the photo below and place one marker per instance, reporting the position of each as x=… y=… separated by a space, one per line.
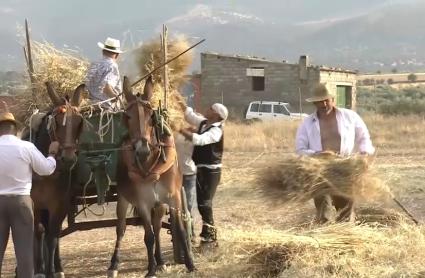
x=237 y=206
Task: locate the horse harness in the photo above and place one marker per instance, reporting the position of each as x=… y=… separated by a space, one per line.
x=160 y=129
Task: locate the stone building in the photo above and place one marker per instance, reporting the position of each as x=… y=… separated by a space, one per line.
x=238 y=80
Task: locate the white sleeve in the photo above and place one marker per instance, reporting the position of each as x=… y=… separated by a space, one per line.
x=192 y=118
x=40 y=164
x=362 y=136
x=302 y=146
x=211 y=136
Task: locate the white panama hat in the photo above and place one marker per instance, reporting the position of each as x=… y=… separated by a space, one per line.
x=111 y=45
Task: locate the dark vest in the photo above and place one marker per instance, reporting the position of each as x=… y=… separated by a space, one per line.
x=209 y=154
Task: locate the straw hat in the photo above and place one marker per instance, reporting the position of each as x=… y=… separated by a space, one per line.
x=320 y=93
x=111 y=45
x=6 y=116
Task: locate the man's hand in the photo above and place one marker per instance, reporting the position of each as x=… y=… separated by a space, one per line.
x=187 y=134
x=182 y=104
x=54 y=148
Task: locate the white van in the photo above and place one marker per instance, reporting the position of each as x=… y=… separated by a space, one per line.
x=270 y=110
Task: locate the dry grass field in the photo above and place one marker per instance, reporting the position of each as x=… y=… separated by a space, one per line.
x=260 y=238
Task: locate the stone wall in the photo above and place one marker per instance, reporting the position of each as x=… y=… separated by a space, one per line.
x=224 y=79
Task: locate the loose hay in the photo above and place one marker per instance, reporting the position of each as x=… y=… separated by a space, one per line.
x=148 y=57
x=64 y=69
x=302 y=178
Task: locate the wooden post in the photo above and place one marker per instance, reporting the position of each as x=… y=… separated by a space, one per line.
x=28 y=57
x=164 y=44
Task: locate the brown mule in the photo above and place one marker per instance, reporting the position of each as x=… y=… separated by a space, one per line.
x=51 y=195
x=146 y=182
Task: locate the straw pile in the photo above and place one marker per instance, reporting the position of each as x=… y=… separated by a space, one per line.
x=149 y=56
x=65 y=69
x=303 y=178
x=268 y=253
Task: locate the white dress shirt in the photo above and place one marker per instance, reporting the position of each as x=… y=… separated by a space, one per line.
x=353 y=131
x=18 y=159
x=213 y=135
x=184 y=150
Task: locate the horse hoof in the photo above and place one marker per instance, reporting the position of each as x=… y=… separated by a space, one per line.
x=59 y=275
x=39 y=275
x=161 y=268
x=112 y=273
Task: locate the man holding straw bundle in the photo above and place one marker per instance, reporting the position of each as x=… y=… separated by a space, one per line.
x=332 y=130
x=208 y=144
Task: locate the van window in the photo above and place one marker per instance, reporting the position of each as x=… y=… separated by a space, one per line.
x=280 y=109
x=254 y=107
x=265 y=108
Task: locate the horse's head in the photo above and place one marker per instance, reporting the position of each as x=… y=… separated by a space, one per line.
x=66 y=122
x=138 y=118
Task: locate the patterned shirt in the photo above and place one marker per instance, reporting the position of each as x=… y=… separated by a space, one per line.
x=99 y=74
x=354 y=134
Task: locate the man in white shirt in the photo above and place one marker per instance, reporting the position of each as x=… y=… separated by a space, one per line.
x=103 y=77
x=337 y=130
x=207 y=155
x=18 y=159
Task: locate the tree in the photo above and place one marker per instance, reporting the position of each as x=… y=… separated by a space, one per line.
x=394 y=70
x=412 y=77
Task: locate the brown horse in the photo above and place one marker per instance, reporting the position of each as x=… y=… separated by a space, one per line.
x=139 y=154
x=51 y=195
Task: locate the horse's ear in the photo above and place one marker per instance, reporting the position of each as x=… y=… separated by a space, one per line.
x=148 y=89
x=53 y=95
x=76 y=97
x=127 y=90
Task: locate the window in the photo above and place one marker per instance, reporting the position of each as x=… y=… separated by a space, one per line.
x=265 y=108
x=258 y=83
x=254 y=107
x=257 y=75
x=280 y=109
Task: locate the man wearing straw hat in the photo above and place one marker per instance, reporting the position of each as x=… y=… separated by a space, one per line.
x=208 y=144
x=18 y=159
x=332 y=130
x=103 y=77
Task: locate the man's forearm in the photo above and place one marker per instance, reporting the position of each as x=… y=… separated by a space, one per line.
x=109 y=91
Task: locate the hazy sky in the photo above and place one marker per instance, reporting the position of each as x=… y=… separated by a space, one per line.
x=81 y=23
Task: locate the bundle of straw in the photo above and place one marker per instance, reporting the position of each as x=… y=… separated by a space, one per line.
x=149 y=56
x=302 y=178
x=267 y=253
x=64 y=69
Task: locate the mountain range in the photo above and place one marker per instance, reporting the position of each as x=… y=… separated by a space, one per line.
x=363 y=35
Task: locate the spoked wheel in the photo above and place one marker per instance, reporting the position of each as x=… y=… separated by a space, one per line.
x=187 y=224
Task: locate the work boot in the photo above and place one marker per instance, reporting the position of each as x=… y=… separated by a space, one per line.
x=210 y=235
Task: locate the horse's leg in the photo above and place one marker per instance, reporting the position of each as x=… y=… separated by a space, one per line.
x=158 y=213
x=176 y=212
x=122 y=206
x=52 y=239
x=145 y=214
x=58 y=262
